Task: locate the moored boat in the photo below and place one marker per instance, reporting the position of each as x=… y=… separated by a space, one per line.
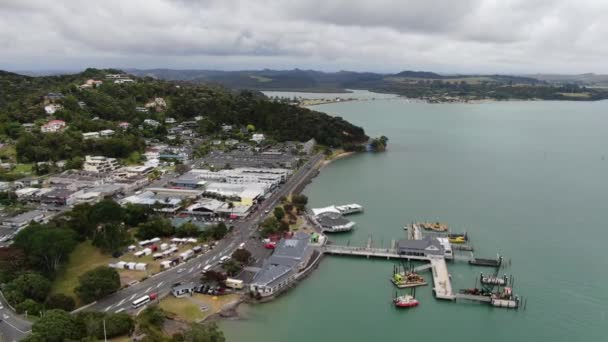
x=405 y=301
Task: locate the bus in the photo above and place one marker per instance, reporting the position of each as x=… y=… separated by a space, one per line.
x=141 y=301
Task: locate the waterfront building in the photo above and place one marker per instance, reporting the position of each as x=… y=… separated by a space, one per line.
x=428 y=246
x=281 y=269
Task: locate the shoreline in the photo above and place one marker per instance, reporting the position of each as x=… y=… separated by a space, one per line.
x=333 y=158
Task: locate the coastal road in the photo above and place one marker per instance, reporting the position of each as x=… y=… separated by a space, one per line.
x=190 y=271
x=12 y=327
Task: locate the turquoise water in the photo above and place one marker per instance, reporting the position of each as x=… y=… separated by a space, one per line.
x=526 y=179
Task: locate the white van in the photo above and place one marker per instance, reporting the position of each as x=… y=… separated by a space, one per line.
x=224 y=259
x=242 y=246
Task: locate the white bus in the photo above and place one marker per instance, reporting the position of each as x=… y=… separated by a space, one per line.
x=141 y=301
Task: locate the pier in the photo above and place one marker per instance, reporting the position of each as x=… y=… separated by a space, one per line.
x=369 y=252
x=441 y=279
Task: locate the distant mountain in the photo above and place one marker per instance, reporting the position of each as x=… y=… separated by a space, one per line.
x=588 y=79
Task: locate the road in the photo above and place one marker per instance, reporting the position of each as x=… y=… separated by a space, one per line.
x=161 y=283
x=12 y=327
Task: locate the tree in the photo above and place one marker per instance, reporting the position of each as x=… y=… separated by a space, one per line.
x=116 y=324
x=187 y=229
x=241 y=255
x=288 y=207
x=47 y=248
x=12 y=261
x=106 y=211
x=30 y=306
x=213 y=276
x=60 y=301
x=112 y=237
x=97 y=283
x=58 y=326
x=136 y=214
x=279 y=213
x=232 y=267
x=181 y=168
x=208 y=332
x=283 y=226
x=219 y=231
x=154 y=228
x=28 y=285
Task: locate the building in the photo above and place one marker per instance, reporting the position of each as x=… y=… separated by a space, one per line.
x=80 y=179
x=206 y=207
x=141 y=110
x=124 y=80
x=170 y=120
x=90 y=84
x=28 y=127
x=52 y=97
x=90 y=135
x=163 y=200
x=241 y=194
x=151 y=122
x=116 y=76
x=182 y=290
x=106 y=133
x=282 y=268
x=52 y=108
x=309 y=146
x=99 y=164
x=226 y=128
x=124 y=125
x=158 y=103
x=426 y=247
x=53 y=126
x=23 y=220
x=258 y=137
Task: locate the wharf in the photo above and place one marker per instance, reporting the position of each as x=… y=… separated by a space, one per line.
x=441 y=279
x=484 y=299
x=368 y=252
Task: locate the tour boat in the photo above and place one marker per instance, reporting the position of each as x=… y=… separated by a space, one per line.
x=406 y=301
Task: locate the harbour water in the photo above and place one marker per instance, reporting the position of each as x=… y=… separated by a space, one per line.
x=526 y=179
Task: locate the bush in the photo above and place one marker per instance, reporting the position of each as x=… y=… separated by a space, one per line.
x=60 y=301
x=30 y=306
x=98 y=283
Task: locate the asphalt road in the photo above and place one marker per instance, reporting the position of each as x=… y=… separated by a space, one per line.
x=191 y=270
x=12 y=327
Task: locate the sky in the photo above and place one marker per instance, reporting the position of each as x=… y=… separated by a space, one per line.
x=448 y=36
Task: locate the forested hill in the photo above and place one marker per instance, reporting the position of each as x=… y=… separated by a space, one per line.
x=413 y=84
x=22 y=100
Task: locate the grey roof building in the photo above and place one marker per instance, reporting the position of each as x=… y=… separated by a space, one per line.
x=333 y=222
x=280 y=269
x=425 y=247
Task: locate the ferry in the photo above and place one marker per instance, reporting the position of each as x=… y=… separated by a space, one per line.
x=405 y=301
x=349 y=209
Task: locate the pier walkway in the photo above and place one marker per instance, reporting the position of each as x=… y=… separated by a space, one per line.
x=484 y=299
x=441 y=279
x=368 y=252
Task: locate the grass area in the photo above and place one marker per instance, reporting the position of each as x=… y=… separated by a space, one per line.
x=85 y=257
x=189 y=308
x=22 y=168
x=261 y=79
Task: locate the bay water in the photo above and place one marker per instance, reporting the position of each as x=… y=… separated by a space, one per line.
x=527 y=180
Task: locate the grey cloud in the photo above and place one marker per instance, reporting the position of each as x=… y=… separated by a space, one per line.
x=380 y=35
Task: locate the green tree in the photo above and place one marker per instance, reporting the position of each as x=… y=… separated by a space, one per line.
x=208 y=332
x=116 y=324
x=219 y=231
x=97 y=283
x=157 y=227
x=187 y=229
x=299 y=201
x=30 y=306
x=29 y=285
x=279 y=213
x=12 y=262
x=58 y=326
x=112 y=237
x=47 y=248
x=232 y=267
x=60 y=301
x=136 y=214
x=241 y=255
x=106 y=211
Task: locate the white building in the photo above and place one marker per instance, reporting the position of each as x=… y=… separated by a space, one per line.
x=258 y=137
x=99 y=164
x=90 y=135
x=52 y=108
x=150 y=122
x=53 y=126
x=106 y=133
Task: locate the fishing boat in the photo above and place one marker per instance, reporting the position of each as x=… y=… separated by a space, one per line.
x=457 y=239
x=406 y=278
x=405 y=301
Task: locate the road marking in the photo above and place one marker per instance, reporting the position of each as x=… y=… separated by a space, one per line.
x=149 y=288
x=133 y=296
x=191 y=269
x=159 y=284
x=108 y=308
x=122 y=301
x=199 y=266
x=215 y=257
x=14 y=327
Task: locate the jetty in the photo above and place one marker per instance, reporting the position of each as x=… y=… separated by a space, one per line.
x=442 y=285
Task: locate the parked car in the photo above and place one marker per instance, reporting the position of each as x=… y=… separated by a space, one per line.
x=224 y=259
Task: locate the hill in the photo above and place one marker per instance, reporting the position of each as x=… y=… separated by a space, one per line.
x=414 y=84
x=23 y=98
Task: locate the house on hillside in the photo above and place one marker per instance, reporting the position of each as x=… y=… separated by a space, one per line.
x=52 y=108
x=53 y=126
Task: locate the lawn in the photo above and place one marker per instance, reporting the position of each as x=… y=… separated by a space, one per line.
x=85 y=257
x=22 y=168
x=189 y=308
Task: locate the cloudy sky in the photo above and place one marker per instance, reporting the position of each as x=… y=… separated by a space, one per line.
x=485 y=36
